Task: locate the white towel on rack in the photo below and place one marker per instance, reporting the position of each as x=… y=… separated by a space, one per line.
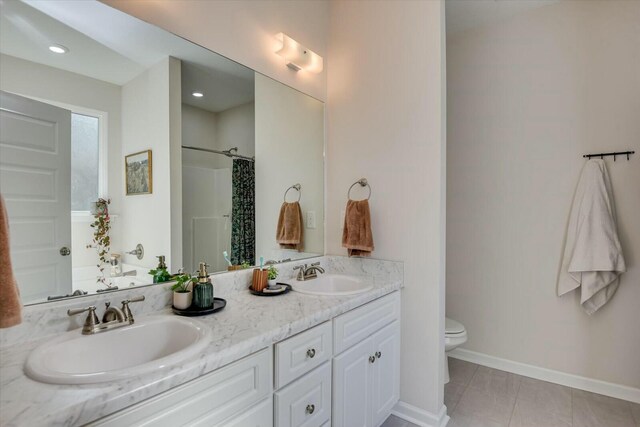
x=593 y=257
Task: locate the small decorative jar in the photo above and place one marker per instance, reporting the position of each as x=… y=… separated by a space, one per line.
x=259 y=279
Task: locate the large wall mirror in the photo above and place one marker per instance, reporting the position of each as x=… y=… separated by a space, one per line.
x=121 y=143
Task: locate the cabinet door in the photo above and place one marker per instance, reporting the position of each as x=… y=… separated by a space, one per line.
x=204 y=401
x=260 y=415
x=352 y=386
x=386 y=372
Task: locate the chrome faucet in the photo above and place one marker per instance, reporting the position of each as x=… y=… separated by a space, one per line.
x=310 y=272
x=112 y=314
x=113 y=317
x=138 y=251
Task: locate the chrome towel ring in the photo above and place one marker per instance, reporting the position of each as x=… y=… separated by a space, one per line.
x=296 y=187
x=363 y=183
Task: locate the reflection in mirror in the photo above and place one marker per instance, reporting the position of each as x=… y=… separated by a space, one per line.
x=218 y=183
x=94 y=165
x=289 y=151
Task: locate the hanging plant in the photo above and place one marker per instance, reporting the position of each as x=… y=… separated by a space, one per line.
x=101 y=240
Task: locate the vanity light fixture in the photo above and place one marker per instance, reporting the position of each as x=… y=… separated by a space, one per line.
x=296 y=56
x=58 y=48
x=198 y=94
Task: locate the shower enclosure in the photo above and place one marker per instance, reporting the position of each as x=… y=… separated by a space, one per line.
x=218 y=207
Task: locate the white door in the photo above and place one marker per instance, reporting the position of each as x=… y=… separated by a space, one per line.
x=386 y=372
x=35 y=181
x=352 y=386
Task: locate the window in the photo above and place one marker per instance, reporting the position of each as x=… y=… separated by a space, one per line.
x=85 y=161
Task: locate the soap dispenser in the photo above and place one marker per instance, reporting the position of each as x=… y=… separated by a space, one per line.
x=203 y=289
x=160 y=274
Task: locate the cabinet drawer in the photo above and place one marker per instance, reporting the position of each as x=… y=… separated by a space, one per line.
x=204 y=401
x=356 y=325
x=300 y=354
x=307 y=401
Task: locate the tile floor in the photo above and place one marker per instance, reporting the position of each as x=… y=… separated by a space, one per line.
x=478 y=396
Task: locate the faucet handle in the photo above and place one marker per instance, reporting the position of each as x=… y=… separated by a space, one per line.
x=125 y=307
x=91 y=321
x=139 y=298
x=74 y=311
x=315 y=264
x=302 y=270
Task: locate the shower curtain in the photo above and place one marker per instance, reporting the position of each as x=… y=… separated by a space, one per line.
x=243 y=227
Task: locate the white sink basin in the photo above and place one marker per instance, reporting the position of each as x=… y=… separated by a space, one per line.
x=331 y=284
x=151 y=343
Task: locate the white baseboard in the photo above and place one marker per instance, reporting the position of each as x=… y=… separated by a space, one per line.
x=419 y=416
x=618 y=391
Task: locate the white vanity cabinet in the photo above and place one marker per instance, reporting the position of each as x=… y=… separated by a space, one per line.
x=358 y=386
x=234 y=395
x=366 y=375
x=342 y=373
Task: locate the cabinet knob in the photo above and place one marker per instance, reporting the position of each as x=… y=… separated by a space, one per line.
x=372 y=359
x=311 y=408
x=378 y=354
x=311 y=353
x=65 y=251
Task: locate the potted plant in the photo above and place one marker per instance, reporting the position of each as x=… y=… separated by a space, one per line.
x=101 y=241
x=182 y=295
x=272 y=272
x=160 y=275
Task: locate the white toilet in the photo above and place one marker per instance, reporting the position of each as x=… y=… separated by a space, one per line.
x=455 y=335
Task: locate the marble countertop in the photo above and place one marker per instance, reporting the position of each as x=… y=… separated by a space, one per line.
x=246 y=325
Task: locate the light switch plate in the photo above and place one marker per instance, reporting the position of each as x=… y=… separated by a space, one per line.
x=311 y=219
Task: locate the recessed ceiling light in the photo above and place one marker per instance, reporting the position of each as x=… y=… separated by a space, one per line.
x=198 y=94
x=58 y=48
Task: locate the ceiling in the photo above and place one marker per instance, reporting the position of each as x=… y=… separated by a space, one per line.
x=462 y=15
x=109 y=45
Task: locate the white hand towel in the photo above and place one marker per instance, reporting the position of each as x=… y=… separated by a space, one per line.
x=593 y=257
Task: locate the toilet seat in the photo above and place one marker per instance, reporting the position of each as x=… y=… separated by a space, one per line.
x=453 y=328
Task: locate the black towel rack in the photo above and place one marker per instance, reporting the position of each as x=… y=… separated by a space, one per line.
x=614 y=154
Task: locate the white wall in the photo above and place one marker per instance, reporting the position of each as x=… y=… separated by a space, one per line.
x=234 y=127
x=199 y=128
x=47 y=83
x=243 y=31
x=175 y=159
x=149 y=122
x=289 y=150
x=385 y=122
x=237 y=128
x=527 y=97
